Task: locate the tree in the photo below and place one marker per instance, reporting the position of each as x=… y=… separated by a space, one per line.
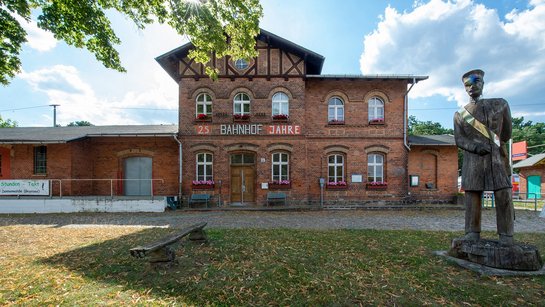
x=532 y=133
x=7 y=123
x=417 y=127
x=79 y=123
x=223 y=27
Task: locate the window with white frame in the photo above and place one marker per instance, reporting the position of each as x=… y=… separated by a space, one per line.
x=335 y=110
x=280 y=167
x=376 y=109
x=204 y=167
x=375 y=167
x=203 y=105
x=241 y=104
x=335 y=166
x=280 y=104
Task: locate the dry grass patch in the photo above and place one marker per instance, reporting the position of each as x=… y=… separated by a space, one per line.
x=92 y=266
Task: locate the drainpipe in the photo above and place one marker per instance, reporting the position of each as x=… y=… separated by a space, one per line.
x=180 y=170
x=406 y=113
x=405 y=137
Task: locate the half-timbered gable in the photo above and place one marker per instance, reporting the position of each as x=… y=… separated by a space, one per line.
x=277 y=58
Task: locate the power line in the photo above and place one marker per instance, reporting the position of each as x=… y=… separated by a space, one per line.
x=24 y=108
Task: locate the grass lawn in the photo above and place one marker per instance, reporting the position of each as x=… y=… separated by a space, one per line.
x=92 y=266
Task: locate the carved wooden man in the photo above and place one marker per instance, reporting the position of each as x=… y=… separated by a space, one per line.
x=481 y=129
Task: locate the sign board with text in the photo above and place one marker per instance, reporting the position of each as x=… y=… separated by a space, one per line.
x=24 y=187
x=250 y=129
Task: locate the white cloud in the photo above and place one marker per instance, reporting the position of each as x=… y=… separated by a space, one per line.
x=445 y=39
x=37 y=38
x=63 y=85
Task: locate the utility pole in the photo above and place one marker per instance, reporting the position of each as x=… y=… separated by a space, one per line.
x=54 y=113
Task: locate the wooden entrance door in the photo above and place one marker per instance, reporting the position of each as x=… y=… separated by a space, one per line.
x=242 y=184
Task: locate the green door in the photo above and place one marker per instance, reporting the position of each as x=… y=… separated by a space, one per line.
x=534 y=187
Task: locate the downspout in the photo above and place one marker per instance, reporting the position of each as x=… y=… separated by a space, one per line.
x=180 y=170
x=405 y=114
x=405 y=138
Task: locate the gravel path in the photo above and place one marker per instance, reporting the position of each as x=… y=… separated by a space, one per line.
x=447 y=220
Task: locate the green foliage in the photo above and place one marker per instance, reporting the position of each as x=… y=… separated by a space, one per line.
x=532 y=133
x=8 y=123
x=417 y=127
x=226 y=27
x=79 y=123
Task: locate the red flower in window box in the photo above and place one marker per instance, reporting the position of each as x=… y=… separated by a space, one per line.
x=377 y=185
x=241 y=116
x=202 y=184
x=280 y=184
x=280 y=117
x=376 y=121
x=336 y=122
x=203 y=117
x=339 y=185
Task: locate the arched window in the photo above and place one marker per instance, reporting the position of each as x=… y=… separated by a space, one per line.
x=204 y=167
x=335 y=110
x=203 y=105
x=280 y=105
x=376 y=110
x=280 y=167
x=335 y=168
x=375 y=168
x=241 y=104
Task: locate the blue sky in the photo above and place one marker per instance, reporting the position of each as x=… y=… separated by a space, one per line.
x=436 y=38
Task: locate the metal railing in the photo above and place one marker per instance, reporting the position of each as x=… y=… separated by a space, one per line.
x=520 y=200
x=59 y=182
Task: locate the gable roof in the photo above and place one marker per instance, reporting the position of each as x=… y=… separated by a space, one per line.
x=432 y=140
x=54 y=135
x=313 y=61
x=533 y=160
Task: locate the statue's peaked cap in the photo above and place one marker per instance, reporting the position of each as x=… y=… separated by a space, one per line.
x=473 y=72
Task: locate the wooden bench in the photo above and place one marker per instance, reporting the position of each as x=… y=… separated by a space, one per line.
x=276 y=197
x=161 y=251
x=199 y=199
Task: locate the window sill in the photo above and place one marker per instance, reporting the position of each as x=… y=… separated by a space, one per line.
x=274 y=186
x=207 y=120
x=376 y=123
x=336 y=187
x=335 y=123
x=202 y=186
x=376 y=188
x=280 y=120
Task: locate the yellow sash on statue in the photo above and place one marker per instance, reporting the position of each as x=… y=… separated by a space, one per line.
x=473 y=122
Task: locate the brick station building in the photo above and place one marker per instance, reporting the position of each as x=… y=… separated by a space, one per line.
x=276 y=124
x=271 y=124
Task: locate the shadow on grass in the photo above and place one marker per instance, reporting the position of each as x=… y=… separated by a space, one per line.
x=110 y=262
x=297 y=267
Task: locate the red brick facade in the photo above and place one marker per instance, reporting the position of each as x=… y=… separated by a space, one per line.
x=355 y=139
x=101 y=159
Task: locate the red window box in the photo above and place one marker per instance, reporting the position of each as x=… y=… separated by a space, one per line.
x=336 y=122
x=202 y=184
x=241 y=117
x=376 y=121
x=280 y=117
x=203 y=118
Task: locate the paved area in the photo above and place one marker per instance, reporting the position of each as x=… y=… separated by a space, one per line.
x=446 y=220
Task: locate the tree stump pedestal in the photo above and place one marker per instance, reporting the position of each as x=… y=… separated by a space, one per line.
x=491 y=253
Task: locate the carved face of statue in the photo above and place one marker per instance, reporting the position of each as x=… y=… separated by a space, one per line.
x=474 y=85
